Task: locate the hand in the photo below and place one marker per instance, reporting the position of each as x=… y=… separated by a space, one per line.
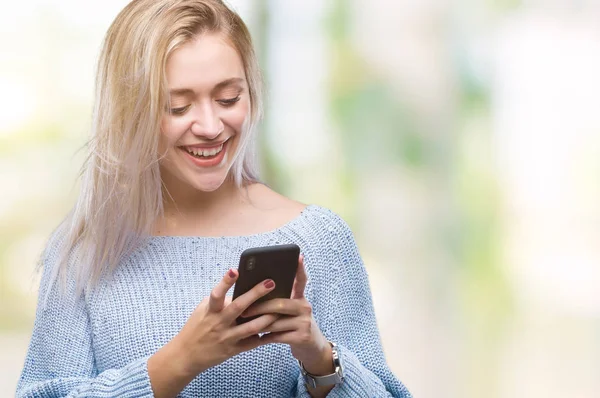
x=297 y=326
x=211 y=335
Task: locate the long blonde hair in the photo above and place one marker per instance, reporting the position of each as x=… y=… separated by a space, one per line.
x=121 y=189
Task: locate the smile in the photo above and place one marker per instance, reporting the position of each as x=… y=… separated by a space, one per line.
x=206 y=157
x=204 y=152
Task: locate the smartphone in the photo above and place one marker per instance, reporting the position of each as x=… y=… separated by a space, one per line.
x=278 y=262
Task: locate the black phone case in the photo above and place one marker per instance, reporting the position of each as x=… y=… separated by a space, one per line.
x=278 y=262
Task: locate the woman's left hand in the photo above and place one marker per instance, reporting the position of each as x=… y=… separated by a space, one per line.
x=298 y=327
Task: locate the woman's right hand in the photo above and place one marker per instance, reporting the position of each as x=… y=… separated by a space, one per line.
x=209 y=337
x=211 y=334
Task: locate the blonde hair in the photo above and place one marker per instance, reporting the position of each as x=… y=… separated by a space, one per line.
x=121 y=188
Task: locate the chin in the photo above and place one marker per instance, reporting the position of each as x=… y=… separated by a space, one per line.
x=209 y=184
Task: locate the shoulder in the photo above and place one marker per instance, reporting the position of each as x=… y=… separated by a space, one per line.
x=60 y=257
x=52 y=249
x=263 y=196
x=315 y=222
x=325 y=217
x=326 y=222
x=273 y=208
x=53 y=279
x=325 y=230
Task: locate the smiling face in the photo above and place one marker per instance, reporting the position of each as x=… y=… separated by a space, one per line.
x=209 y=104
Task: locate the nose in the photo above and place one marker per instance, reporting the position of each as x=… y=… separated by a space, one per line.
x=207 y=122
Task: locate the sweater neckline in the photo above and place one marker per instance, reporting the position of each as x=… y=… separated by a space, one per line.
x=290 y=224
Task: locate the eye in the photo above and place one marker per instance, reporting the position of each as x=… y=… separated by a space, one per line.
x=229 y=102
x=179 y=111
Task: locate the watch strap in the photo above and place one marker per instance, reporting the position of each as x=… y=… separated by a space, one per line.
x=335 y=378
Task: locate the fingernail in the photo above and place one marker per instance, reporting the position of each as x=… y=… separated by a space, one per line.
x=231 y=273
x=269 y=283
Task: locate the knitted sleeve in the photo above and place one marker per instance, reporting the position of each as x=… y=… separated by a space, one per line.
x=346 y=316
x=60 y=358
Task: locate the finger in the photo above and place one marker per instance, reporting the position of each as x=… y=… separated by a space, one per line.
x=278 y=337
x=283 y=324
x=254 y=326
x=240 y=304
x=216 y=301
x=300 y=281
x=250 y=343
x=275 y=306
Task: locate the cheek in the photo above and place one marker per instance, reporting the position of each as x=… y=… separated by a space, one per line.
x=170 y=131
x=236 y=117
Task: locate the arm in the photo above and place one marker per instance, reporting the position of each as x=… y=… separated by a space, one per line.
x=60 y=358
x=60 y=361
x=346 y=316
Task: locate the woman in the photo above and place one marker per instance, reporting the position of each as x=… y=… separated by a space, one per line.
x=134 y=291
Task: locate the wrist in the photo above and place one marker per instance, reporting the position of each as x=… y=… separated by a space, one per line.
x=320 y=385
x=321 y=364
x=169 y=371
x=178 y=354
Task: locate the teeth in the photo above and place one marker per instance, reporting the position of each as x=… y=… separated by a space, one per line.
x=205 y=152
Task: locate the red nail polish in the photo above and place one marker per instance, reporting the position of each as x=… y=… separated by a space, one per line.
x=269 y=283
x=231 y=273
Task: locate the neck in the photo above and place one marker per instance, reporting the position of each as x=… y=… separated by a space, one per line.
x=185 y=201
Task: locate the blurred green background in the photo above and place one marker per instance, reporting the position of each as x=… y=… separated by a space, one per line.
x=459 y=139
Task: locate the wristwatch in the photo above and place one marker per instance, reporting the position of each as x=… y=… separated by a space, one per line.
x=335 y=378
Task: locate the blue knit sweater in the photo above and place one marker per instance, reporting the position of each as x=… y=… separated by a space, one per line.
x=98 y=345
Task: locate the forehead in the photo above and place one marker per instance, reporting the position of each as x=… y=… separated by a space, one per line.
x=202 y=63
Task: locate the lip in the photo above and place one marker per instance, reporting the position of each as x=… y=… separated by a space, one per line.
x=204 y=163
x=204 y=146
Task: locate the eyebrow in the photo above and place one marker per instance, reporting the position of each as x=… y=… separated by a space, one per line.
x=219 y=86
